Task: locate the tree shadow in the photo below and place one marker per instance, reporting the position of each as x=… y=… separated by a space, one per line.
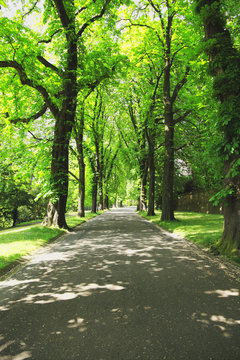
x=119 y=288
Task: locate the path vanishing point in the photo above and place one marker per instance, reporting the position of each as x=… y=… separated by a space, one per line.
x=119 y=288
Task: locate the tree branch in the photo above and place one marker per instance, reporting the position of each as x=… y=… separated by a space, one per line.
x=26 y=81
x=158 y=121
x=32 y=117
x=159 y=146
x=158 y=11
x=74 y=176
x=80 y=10
x=94 y=84
x=62 y=13
x=48 y=64
x=111 y=165
x=148 y=27
x=93 y=19
x=32 y=8
x=91 y=159
x=50 y=39
x=179 y=85
x=181 y=118
x=183 y=146
x=175 y=53
x=132 y=117
x=72 y=149
x=156 y=86
x=123 y=137
x=39 y=139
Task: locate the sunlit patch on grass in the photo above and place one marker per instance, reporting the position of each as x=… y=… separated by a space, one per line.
x=20 y=241
x=203 y=229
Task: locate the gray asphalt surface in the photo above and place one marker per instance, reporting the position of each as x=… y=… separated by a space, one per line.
x=119 y=288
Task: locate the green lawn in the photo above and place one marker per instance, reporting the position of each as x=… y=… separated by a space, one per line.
x=203 y=229
x=22 y=240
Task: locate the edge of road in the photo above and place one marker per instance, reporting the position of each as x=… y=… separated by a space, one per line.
x=18 y=264
x=222 y=262
x=225 y=264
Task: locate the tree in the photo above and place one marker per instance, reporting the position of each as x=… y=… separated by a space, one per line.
x=55 y=87
x=170 y=39
x=13 y=194
x=102 y=144
x=142 y=95
x=78 y=132
x=224 y=60
x=164 y=34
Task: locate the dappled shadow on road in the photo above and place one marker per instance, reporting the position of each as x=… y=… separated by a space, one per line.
x=119 y=288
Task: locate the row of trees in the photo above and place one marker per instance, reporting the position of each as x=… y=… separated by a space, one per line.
x=116 y=95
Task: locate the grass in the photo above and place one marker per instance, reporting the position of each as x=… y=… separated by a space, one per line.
x=22 y=240
x=74 y=220
x=203 y=229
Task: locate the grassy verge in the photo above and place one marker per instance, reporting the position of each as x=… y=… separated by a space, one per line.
x=20 y=241
x=74 y=220
x=203 y=229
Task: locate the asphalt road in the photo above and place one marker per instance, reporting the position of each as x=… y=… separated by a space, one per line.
x=119 y=288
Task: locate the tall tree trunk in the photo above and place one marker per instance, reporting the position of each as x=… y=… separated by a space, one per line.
x=62 y=133
x=151 y=192
x=15 y=216
x=138 y=204
x=168 y=170
x=106 y=200
x=59 y=177
x=107 y=178
x=81 y=188
x=79 y=128
x=100 y=183
x=168 y=175
x=94 y=194
x=225 y=67
x=143 y=185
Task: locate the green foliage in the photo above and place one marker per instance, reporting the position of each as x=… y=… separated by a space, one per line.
x=12 y=196
x=224 y=66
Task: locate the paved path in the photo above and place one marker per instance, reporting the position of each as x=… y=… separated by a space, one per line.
x=118 y=288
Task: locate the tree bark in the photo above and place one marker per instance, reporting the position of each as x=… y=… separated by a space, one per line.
x=106 y=200
x=94 y=194
x=100 y=184
x=143 y=184
x=15 y=216
x=59 y=175
x=151 y=191
x=79 y=128
x=81 y=188
x=168 y=174
x=107 y=178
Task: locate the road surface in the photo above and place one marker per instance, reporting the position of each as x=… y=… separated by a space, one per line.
x=119 y=288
